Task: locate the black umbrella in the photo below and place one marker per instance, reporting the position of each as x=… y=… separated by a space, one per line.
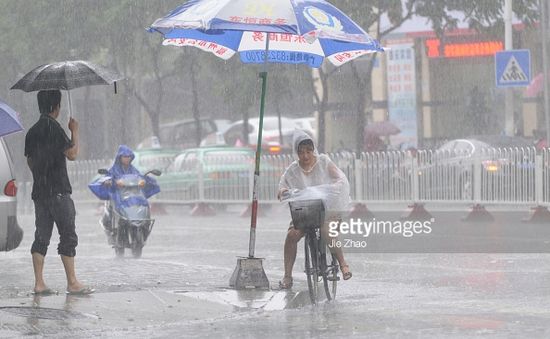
x=66 y=75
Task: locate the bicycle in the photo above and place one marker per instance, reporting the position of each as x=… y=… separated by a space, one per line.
x=320 y=263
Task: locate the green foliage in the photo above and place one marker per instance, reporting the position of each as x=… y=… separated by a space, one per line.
x=159 y=83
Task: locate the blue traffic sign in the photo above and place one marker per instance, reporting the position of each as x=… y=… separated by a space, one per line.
x=513 y=68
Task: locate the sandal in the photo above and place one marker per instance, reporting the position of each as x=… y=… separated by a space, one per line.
x=285 y=283
x=346 y=275
x=82 y=291
x=47 y=291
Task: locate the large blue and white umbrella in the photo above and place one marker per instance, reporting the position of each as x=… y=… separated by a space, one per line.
x=9 y=120
x=300 y=31
x=283 y=47
x=262 y=31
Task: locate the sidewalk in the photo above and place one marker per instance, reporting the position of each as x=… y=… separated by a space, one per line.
x=134 y=313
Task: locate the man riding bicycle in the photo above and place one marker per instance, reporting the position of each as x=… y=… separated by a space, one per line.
x=313 y=169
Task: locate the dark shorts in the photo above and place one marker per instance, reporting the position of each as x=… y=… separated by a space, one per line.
x=59 y=210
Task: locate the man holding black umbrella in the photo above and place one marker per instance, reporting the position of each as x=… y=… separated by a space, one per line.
x=47 y=147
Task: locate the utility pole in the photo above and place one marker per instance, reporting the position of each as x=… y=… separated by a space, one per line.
x=508 y=45
x=544 y=28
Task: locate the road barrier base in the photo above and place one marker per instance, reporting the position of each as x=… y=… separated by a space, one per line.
x=479 y=214
x=158 y=209
x=540 y=215
x=360 y=210
x=418 y=212
x=202 y=209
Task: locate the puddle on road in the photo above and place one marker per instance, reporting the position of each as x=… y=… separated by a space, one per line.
x=269 y=300
x=43 y=313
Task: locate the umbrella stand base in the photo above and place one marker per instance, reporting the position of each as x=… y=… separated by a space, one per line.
x=249 y=273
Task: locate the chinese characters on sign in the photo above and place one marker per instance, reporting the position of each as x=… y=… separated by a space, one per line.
x=402 y=94
x=463 y=50
x=259 y=21
x=283 y=48
x=259 y=36
x=206 y=46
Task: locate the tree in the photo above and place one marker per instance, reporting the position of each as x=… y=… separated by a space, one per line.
x=443 y=15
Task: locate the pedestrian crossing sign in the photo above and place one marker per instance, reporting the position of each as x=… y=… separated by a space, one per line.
x=513 y=68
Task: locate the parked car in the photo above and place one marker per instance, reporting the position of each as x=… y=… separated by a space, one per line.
x=507 y=168
x=233 y=135
x=154 y=158
x=222 y=124
x=10 y=232
x=224 y=173
x=181 y=134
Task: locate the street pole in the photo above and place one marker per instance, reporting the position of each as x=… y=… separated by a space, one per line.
x=508 y=45
x=544 y=27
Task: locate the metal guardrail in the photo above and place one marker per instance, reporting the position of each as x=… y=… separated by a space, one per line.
x=519 y=176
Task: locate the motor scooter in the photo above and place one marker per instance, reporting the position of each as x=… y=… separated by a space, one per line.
x=127 y=220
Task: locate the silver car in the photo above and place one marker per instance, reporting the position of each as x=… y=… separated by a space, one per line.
x=10 y=232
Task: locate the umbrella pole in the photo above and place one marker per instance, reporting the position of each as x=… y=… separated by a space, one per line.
x=249 y=272
x=70 y=104
x=254 y=217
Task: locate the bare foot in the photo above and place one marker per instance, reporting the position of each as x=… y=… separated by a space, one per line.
x=285 y=283
x=40 y=287
x=75 y=287
x=346 y=273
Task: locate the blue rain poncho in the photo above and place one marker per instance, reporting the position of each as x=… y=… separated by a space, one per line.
x=117 y=169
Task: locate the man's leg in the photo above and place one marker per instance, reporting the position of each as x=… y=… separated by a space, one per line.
x=42 y=235
x=38 y=266
x=293 y=236
x=73 y=285
x=64 y=216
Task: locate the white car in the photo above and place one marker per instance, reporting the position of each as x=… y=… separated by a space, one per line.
x=233 y=134
x=10 y=232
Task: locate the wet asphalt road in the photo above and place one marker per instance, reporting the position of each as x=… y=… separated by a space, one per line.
x=179 y=288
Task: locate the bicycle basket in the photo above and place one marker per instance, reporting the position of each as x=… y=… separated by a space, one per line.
x=307 y=213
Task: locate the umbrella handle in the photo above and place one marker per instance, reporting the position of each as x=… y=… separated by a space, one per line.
x=70 y=104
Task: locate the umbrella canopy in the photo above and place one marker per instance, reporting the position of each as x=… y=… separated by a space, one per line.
x=66 y=75
x=300 y=32
x=309 y=18
x=9 y=120
x=381 y=129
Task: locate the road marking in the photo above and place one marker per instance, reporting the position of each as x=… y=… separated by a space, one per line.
x=156 y=296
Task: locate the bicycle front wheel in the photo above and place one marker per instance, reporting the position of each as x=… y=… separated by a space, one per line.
x=312 y=268
x=329 y=271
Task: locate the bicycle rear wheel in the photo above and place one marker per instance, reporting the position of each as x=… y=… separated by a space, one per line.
x=312 y=268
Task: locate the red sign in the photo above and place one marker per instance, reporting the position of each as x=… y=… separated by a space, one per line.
x=463 y=50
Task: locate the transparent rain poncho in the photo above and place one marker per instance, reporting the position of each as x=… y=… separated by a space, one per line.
x=323 y=181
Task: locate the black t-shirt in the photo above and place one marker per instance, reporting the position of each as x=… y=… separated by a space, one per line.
x=44 y=145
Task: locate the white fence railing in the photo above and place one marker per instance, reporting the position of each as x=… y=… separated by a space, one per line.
x=493 y=176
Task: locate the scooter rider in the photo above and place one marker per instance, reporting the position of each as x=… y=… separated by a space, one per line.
x=121 y=166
